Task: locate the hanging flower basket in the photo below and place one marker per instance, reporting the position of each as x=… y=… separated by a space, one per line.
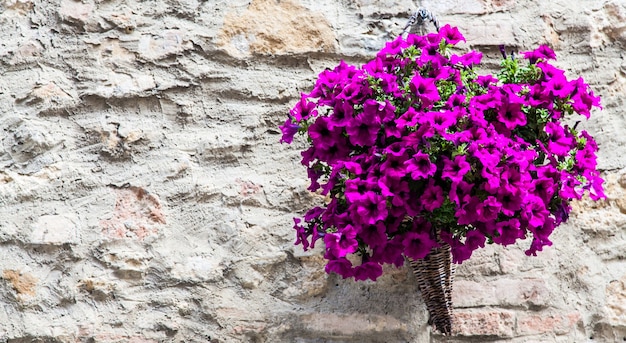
x=420 y=157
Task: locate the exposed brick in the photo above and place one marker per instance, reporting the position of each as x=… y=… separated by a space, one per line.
x=489 y=322
x=552 y=322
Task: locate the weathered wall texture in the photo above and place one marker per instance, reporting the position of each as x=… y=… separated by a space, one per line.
x=144 y=196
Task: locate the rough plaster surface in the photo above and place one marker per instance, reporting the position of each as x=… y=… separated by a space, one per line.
x=145 y=198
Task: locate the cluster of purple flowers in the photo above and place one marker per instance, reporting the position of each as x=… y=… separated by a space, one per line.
x=414 y=149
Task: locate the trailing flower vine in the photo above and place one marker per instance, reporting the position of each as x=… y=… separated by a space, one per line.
x=415 y=148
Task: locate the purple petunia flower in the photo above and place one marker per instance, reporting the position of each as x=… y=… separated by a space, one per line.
x=394 y=165
x=341 y=266
x=543 y=188
x=549 y=72
x=560 y=142
x=289 y=130
x=368 y=270
x=468 y=60
x=466 y=214
x=595 y=184
x=374 y=235
x=559 y=87
x=425 y=89
x=440 y=121
x=338 y=151
x=420 y=166
x=451 y=34
x=509 y=232
x=456 y=101
x=399 y=190
x=370 y=209
x=486 y=80
x=511 y=115
x=357 y=188
x=535 y=212
x=542 y=52
x=583 y=99
x=455 y=169
x=302 y=234
x=363 y=130
x=343 y=113
x=418 y=245
x=339 y=244
x=408 y=118
x=432 y=197
x=304 y=109
x=511 y=202
x=355 y=92
x=488 y=210
x=390 y=253
x=394 y=47
x=460 y=192
x=322 y=134
x=314 y=175
x=460 y=251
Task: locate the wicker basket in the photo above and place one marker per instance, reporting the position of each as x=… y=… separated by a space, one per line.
x=434 y=275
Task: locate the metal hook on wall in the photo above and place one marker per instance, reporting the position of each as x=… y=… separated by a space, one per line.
x=418 y=18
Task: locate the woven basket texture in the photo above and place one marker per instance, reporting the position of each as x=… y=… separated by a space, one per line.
x=434 y=275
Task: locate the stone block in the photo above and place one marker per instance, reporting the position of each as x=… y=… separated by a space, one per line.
x=483 y=262
x=54 y=230
x=203 y=268
x=168 y=43
x=443 y=7
x=20 y=7
x=347 y=325
x=489 y=33
x=27 y=52
x=99 y=290
x=127 y=258
x=616 y=302
x=115 y=338
x=528 y=292
x=23 y=283
x=75 y=11
x=270 y=27
x=137 y=215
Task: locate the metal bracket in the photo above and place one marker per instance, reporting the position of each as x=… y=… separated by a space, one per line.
x=418 y=18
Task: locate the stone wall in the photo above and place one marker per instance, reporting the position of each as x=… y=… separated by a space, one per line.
x=145 y=198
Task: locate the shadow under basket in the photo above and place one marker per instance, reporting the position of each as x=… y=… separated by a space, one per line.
x=434 y=275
